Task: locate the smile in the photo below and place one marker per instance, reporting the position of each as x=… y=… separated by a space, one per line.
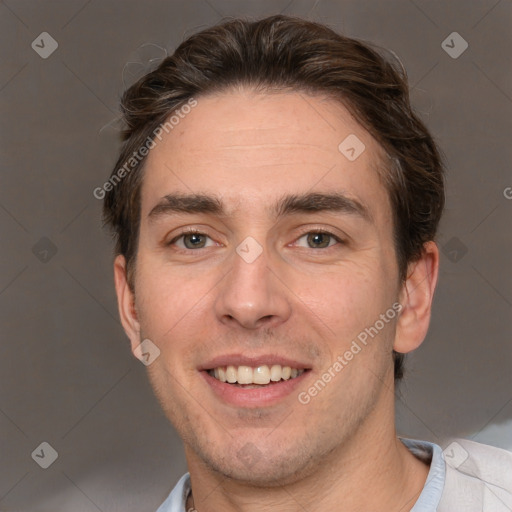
x=254 y=376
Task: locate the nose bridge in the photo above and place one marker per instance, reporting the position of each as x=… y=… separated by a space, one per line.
x=251 y=294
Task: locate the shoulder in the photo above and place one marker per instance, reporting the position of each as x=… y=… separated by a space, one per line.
x=478 y=478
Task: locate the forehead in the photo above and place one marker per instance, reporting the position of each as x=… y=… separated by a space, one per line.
x=249 y=147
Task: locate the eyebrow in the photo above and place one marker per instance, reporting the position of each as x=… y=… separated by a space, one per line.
x=289 y=204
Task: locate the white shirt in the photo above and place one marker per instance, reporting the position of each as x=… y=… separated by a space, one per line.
x=464 y=477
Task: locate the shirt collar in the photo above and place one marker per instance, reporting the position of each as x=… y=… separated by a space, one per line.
x=430 y=496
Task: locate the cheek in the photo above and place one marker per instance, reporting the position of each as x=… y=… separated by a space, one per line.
x=168 y=300
x=349 y=296
x=349 y=301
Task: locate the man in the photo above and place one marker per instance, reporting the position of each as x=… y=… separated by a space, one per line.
x=275 y=206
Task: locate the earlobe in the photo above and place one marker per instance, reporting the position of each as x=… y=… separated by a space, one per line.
x=126 y=302
x=416 y=298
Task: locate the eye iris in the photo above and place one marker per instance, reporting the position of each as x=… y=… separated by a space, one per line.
x=193 y=236
x=323 y=238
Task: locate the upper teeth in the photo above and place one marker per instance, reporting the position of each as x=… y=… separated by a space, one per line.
x=260 y=375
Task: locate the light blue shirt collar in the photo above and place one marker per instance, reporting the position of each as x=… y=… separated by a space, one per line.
x=430 y=496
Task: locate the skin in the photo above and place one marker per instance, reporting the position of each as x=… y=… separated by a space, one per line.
x=295 y=299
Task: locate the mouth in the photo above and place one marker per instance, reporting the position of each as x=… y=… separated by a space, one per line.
x=252 y=383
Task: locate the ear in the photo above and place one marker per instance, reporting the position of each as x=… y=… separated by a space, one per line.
x=416 y=299
x=126 y=302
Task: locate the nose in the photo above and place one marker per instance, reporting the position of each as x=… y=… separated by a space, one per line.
x=252 y=295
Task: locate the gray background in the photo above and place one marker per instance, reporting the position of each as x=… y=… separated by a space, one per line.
x=67 y=375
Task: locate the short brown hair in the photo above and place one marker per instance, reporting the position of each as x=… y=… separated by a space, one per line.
x=286 y=53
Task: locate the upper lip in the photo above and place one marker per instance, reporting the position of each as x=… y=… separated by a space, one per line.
x=253 y=361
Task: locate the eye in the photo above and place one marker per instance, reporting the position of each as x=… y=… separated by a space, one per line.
x=320 y=239
x=191 y=240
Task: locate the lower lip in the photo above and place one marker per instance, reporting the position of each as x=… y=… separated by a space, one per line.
x=253 y=397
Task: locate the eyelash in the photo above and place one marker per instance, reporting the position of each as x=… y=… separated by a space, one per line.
x=193 y=231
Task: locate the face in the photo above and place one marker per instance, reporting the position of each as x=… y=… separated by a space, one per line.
x=266 y=282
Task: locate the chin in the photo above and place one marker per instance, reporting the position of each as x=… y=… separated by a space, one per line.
x=250 y=466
